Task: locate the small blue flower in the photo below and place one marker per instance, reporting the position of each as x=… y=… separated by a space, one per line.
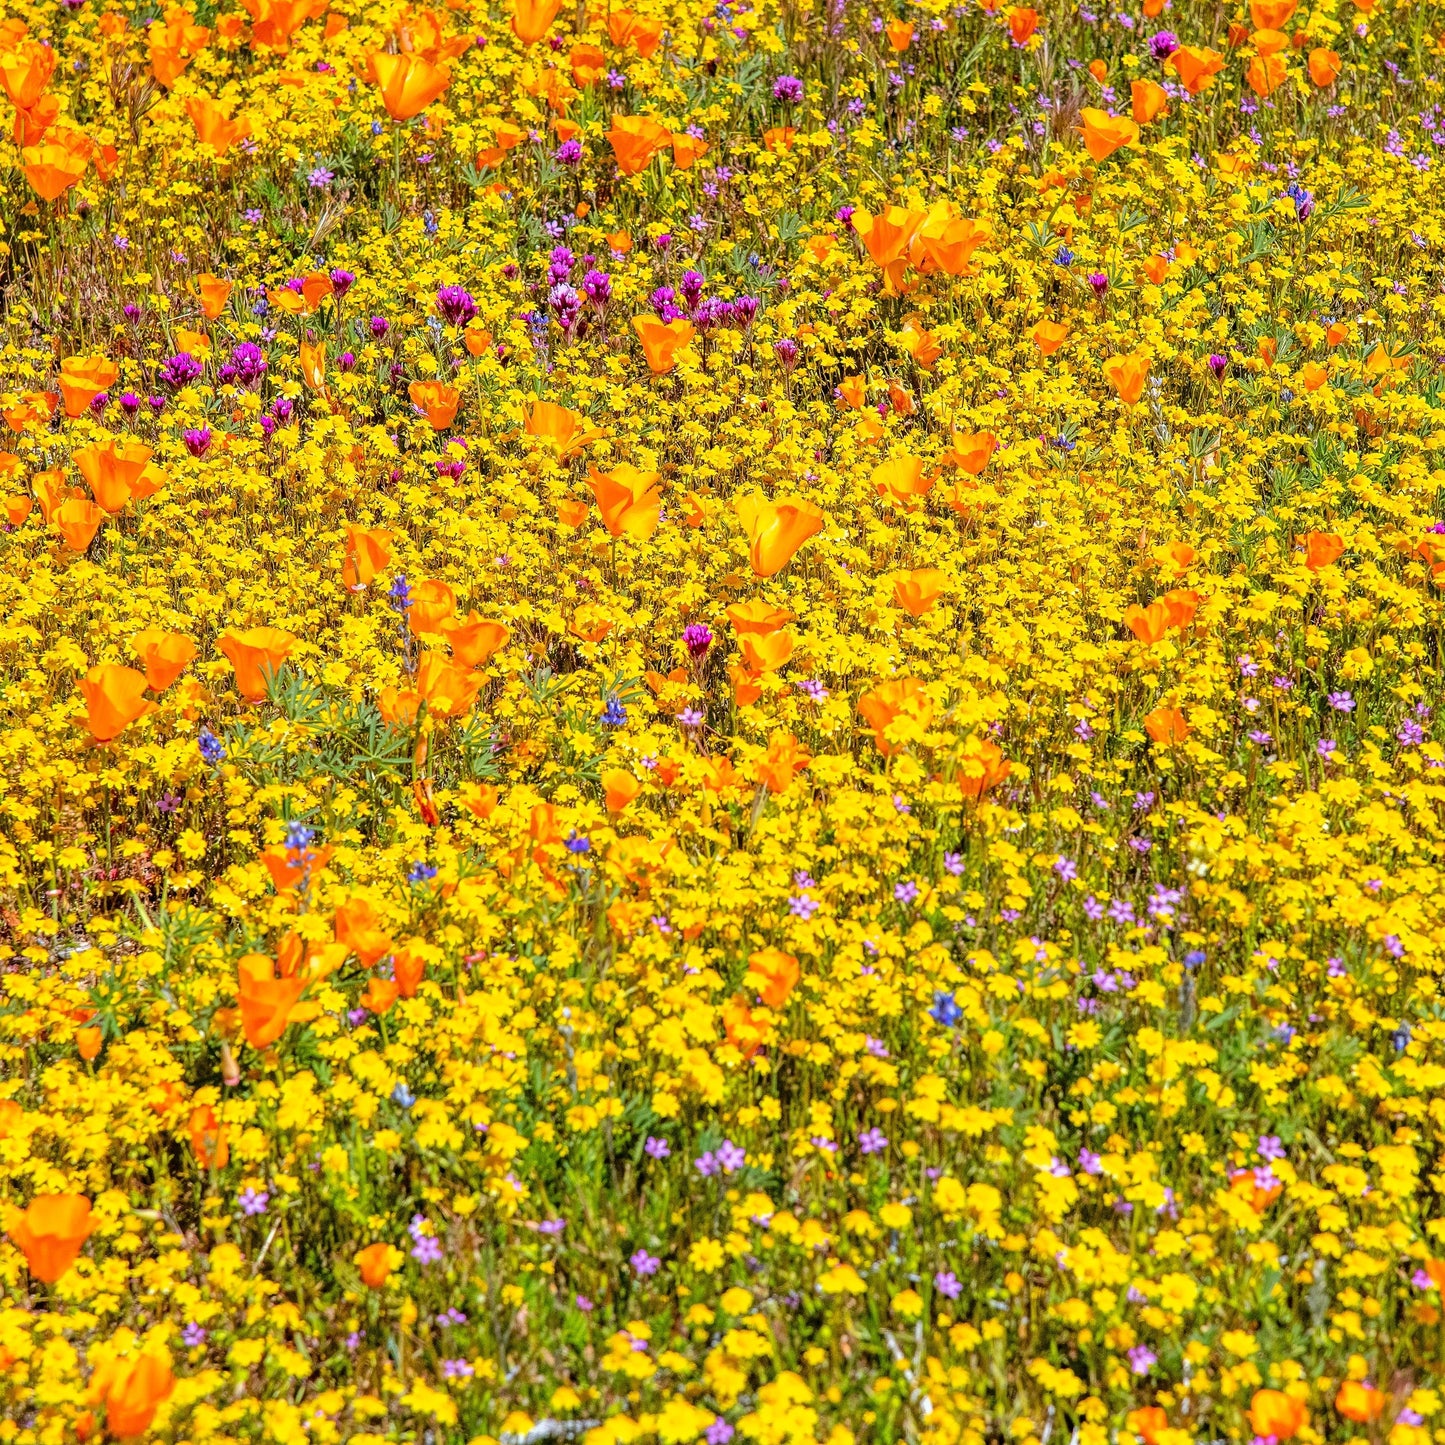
x=945 y=1011
x=614 y=715
x=421 y=873
x=403 y=1096
x=211 y=750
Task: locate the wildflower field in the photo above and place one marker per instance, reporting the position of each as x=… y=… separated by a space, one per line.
x=720 y=721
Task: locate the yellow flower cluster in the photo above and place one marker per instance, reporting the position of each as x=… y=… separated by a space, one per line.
x=718 y=719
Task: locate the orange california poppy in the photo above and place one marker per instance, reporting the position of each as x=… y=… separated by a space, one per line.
x=1048 y=336
x=360 y=931
x=1358 y=1402
x=1149 y=624
x=274 y=22
x=133 y=1390
x=32 y=124
x=408 y=82
x=687 y=150
x=423 y=33
x=1104 y=133
x=215 y=292
x=571 y=512
x=379 y=996
x=368 y=551
x=266 y=1002
x=1022 y=22
x=532 y=19
x=174 y=45
x=51 y=168
x=474 y=639
x=437 y=401
x=635 y=139
x=915 y=592
x=1325 y=66
x=619 y=788
x=1266 y=74
x=448 y=691
x=765 y=651
x=83 y=378
x=1313 y=376
x=77 y=521
x=208 y=1138
x=17 y=509
x=1149 y=101
x=51 y=492
x=1166 y=725
x=409 y=967
x=774 y=974
x=900 y=34
x=313 y=364
x=376 y=1263
x=1148 y=1423
x=887 y=236
x=775 y=530
x=316 y=286
x=757 y=617
x=1127 y=374
x=1271 y=14
x=629 y=499
x=33 y=407
x=256 y=654
x=1322 y=549
x=900 y=699
x=970 y=451
x=164 y=655
x=432 y=603
x=559 y=426
x=589 y=64
x=923 y=346
x=479 y=799
x=744 y=1030
x=624 y=27
x=746 y=686
x=112 y=470
x=1178 y=555
x=51 y=1232
x=902 y=480
x=290 y=866
x=213 y=123
x=1272 y=1412
x=505 y=137
x=25 y=72
x=477 y=339
x=661 y=341
x=785 y=758
x=980 y=766
x=1180 y=605
x=945 y=243
x=1195 y=66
